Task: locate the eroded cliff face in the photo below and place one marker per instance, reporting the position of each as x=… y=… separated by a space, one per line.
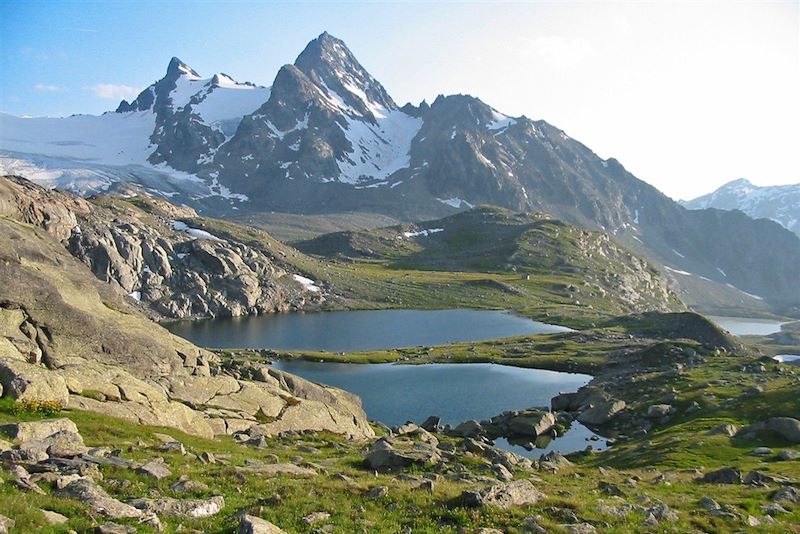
x=69 y=337
x=153 y=253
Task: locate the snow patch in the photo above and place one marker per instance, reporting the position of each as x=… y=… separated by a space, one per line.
x=136 y=295
x=500 y=122
x=423 y=233
x=378 y=150
x=181 y=226
x=307 y=283
x=455 y=202
x=684 y=273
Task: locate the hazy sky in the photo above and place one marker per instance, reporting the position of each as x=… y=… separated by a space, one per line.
x=687 y=95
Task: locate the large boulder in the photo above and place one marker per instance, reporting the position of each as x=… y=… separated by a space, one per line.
x=96 y=498
x=788 y=427
x=26 y=381
x=504 y=496
x=532 y=423
x=602 y=412
x=37 y=430
x=184 y=508
x=385 y=456
x=255 y=525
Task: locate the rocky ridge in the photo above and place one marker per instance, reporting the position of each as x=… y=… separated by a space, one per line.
x=145 y=247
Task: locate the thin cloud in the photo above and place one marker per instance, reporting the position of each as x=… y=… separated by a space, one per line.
x=113 y=91
x=47 y=88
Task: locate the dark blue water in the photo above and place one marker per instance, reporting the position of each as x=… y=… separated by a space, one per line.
x=394 y=394
x=349 y=331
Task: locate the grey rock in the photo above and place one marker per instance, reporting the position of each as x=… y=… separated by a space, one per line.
x=553 y=461
x=96 y=498
x=609 y=488
x=787 y=427
x=773 y=509
x=184 y=508
x=786 y=494
x=579 y=528
x=725 y=429
x=255 y=525
x=184 y=485
x=114 y=528
x=6 y=524
x=155 y=468
x=502 y=473
x=761 y=451
x=38 y=430
x=432 y=424
x=657 y=411
x=384 y=456
x=788 y=454
x=54 y=518
x=707 y=503
x=504 y=496
x=602 y=412
x=378 y=492
x=726 y=475
x=315 y=517
x=468 y=429
x=531 y=424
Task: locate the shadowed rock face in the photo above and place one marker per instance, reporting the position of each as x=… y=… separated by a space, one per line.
x=68 y=337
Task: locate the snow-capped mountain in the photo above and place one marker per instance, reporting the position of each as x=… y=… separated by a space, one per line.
x=328 y=138
x=780 y=203
x=158 y=140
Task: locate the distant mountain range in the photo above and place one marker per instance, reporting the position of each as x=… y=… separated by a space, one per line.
x=780 y=203
x=327 y=138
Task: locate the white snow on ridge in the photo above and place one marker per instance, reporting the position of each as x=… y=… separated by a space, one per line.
x=500 y=122
x=684 y=273
x=423 y=233
x=455 y=202
x=181 y=226
x=745 y=292
x=307 y=283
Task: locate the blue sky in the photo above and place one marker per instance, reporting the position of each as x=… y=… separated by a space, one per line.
x=688 y=95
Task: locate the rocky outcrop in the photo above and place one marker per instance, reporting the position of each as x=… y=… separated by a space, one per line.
x=69 y=338
x=152 y=251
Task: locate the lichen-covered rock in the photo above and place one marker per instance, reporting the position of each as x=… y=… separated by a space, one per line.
x=507 y=495
x=602 y=412
x=96 y=498
x=25 y=381
x=186 y=508
x=255 y=525
x=25 y=431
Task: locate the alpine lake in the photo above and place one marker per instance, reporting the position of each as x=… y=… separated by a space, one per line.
x=394 y=393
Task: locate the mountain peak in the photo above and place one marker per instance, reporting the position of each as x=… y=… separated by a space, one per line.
x=738 y=183
x=331 y=65
x=179 y=68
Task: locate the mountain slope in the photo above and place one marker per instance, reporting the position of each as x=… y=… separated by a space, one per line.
x=779 y=203
x=586 y=266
